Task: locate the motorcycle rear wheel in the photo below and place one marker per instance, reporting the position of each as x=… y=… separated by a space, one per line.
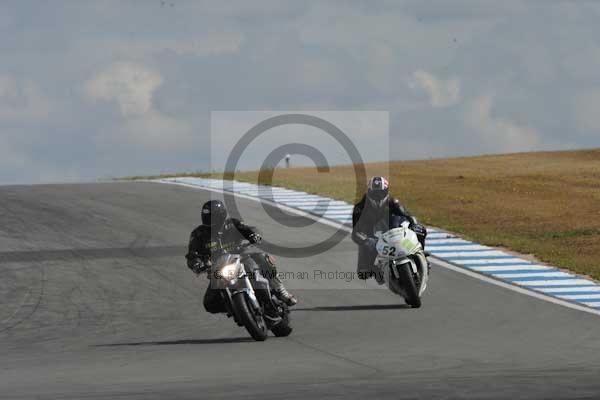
x=283 y=328
x=254 y=324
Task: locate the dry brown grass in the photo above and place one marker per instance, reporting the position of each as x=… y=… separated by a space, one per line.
x=546 y=204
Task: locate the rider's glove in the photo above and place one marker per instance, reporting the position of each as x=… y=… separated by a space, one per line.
x=371 y=242
x=196 y=264
x=419 y=229
x=254 y=238
x=197 y=267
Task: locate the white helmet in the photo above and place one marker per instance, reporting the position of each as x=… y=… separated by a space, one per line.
x=378 y=192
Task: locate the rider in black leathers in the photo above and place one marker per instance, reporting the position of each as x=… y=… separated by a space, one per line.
x=373 y=210
x=217 y=233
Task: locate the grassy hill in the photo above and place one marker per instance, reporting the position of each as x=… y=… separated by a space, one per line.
x=546 y=203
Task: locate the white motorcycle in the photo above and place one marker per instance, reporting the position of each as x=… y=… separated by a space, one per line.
x=401 y=261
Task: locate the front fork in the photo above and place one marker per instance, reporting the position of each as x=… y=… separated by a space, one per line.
x=241 y=287
x=244 y=287
x=418 y=266
x=249 y=290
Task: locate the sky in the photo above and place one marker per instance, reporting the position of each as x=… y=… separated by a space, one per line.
x=101 y=89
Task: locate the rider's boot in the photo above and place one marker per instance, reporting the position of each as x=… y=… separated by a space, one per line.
x=282 y=293
x=378 y=275
x=270 y=272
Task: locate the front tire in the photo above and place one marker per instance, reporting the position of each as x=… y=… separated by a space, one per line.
x=254 y=324
x=410 y=286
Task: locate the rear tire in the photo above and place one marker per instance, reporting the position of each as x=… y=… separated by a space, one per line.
x=254 y=324
x=283 y=328
x=410 y=287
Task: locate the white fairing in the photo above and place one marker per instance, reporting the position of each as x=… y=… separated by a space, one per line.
x=398 y=242
x=401 y=245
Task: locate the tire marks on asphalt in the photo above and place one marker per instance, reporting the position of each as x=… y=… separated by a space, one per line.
x=32 y=256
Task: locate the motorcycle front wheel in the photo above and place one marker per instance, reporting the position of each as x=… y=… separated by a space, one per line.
x=407 y=277
x=253 y=322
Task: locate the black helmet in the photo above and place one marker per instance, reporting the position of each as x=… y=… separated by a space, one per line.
x=214 y=213
x=378 y=192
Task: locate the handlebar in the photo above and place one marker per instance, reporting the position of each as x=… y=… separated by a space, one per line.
x=243 y=245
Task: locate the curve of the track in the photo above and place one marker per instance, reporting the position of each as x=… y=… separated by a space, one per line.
x=96 y=303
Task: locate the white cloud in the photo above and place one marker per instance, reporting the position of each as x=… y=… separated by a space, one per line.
x=186 y=60
x=158 y=132
x=128 y=84
x=442 y=93
x=498 y=134
x=132 y=86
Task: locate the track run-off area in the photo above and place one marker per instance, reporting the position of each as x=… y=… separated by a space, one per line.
x=96 y=302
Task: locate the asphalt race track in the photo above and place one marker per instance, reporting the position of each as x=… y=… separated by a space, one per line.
x=96 y=303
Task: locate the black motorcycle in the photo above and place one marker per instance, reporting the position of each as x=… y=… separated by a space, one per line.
x=247 y=296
